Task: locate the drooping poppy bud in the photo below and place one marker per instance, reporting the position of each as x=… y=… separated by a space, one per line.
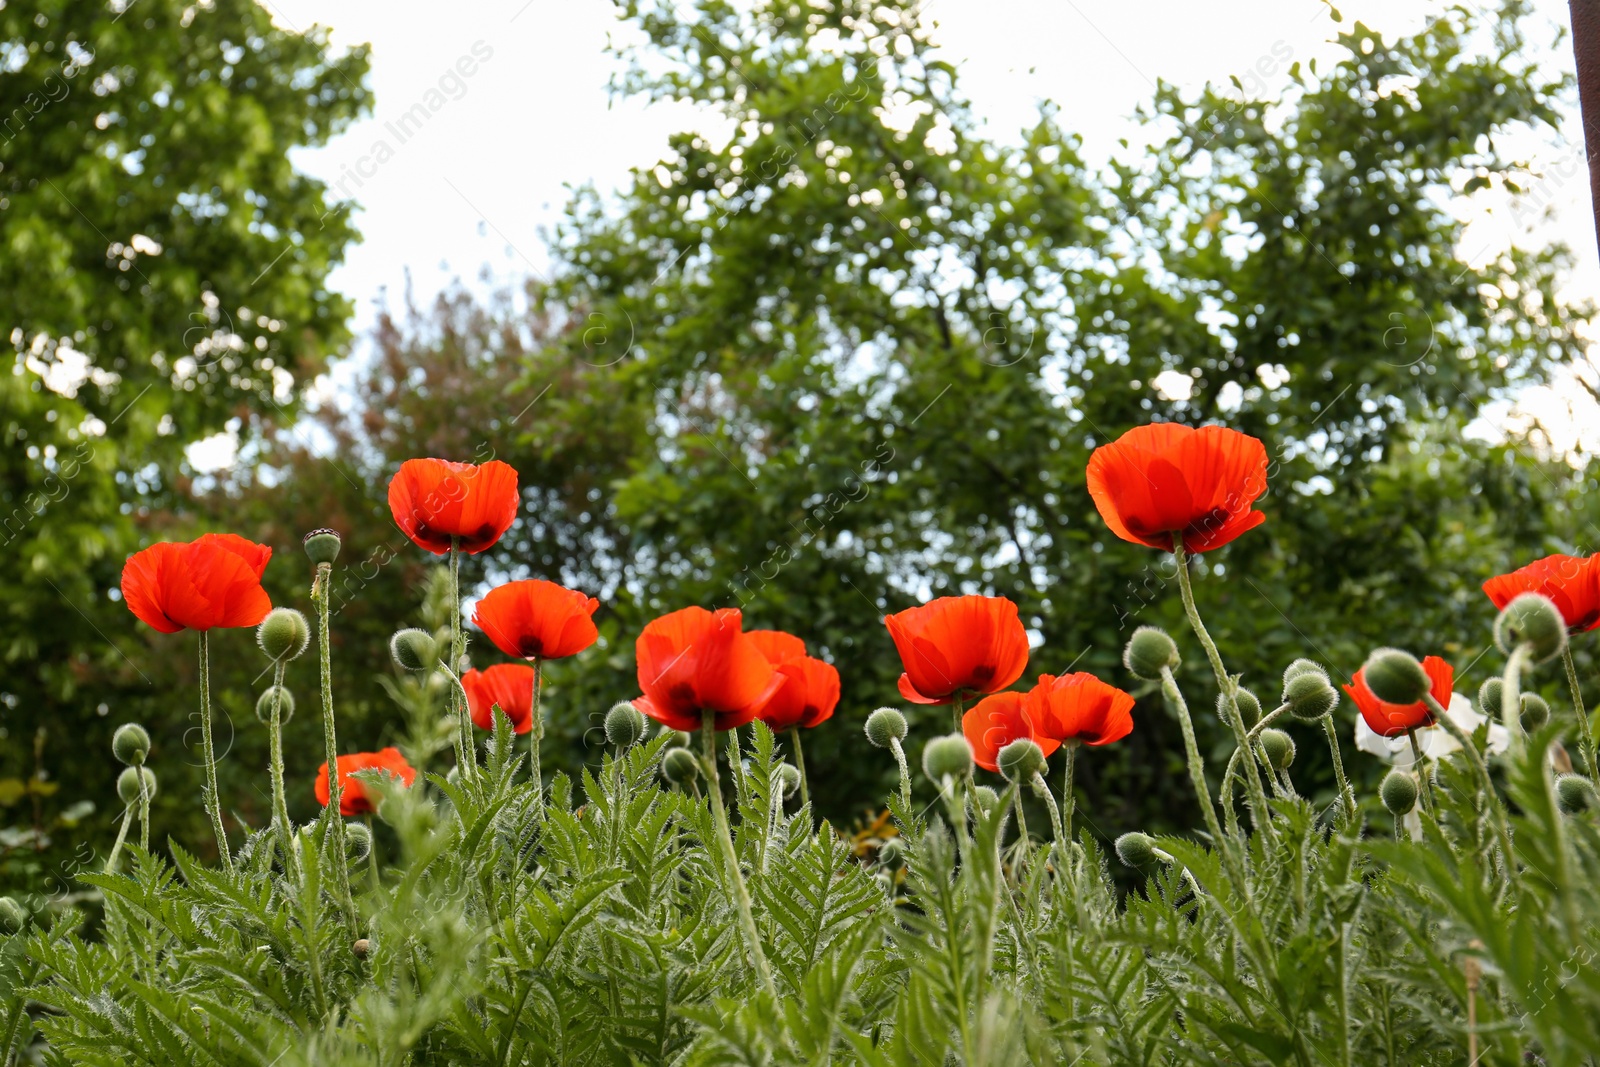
x=1279 y=748
x=357 y=842
x=283 y=634
x=948 y=756
x=1249 y=707
x=788 y=779
x=130 y=744
x=1150 y=650
x=1020 y=760
x=984 y=799
x=885 y=725
x=1399 y=792
x=414 y=650
x=1303 y=666
x=12 y=916
x=1489 y=698
x=1136 y=850
x=128 y=784
x=1533 y=620
x=1309 y=695
x=285 y=702
x=678 y=765
x=1575 y=793
x=1395 y=677
x=1535 y=712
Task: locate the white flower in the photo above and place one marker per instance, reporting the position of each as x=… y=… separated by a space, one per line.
x=1435 y=741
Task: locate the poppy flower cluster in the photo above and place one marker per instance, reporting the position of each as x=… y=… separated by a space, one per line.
x=1069 y=709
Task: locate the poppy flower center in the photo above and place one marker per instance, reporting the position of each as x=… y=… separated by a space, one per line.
x=982 y=672
x=531 y=647
x=682 y=693
x=1214 y=519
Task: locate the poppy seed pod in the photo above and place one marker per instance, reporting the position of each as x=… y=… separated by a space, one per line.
x=285 y=701
x=1535 y=712
x=414 y=650
x=1279 y=747
x=1149 y=650
x=357 y=841
x=322 y=545
x=1399 y=792
x=1575 y=793
x=1489 y=697
x=789 y=779
x=678 y=765
x=1395 y=677
x=891 y=853
x=1303 y=666
x=950 y=756
x=1310 y=695
x=130 y=744
x=1532 y=620
x=12 y=916
x=984 y=799
x=1136 y=850
x=885 y=725
x=283 y=634
x=128 y=784
x=1249 y=707
x=625 y=725
x=1020 y=760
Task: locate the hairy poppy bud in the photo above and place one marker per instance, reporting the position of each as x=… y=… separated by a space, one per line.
x=788 y=779
x=678 y=765
x=884 y=725
x=891 y=853
x=322 y=545
x=1136 y=850
x=1535 y=712
x=357 y=841
x=1149 y=650
x=12 y=916
x=362 y=948
x=678 y=738
x=949 y=755
x=1399 y=792
x=1020 y=760
x=984 y=799
x=1575 y=793
x=414 y=650
x=130 y=744
x=283 y=634
x=625 y=725
x=1309 y=695
x=1303 y=666
x=1249 y=707
x=285 y=700
x=128 y=784
x=1489 y=695
x=1533 y=620
x=1279 y=747
x=1395 y=677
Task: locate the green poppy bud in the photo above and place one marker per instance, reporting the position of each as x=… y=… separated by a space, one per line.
x=1535 y=712
x=128 y=784
x=285 y=701
x=1279 y=748
x=414 y=650
x=1399 y=792
x=1575 y=793
x=1249 y=707
x=679 y=766
x=130 y=744
x=1149 y=650
x=947 y=756
x=678 y=738
x=1533 y=620
x=884 y=725
x=13 y=917
x=322 y=545
x=625 y=725
x=1020 y=760
x=1310 y=695
x=283 y=634
x=357 y=841
x=1489 y=695
x=788 y=779
x=984 y=799
x=892 y=853
x=1136 y=850
x=1396 y=677
x=361 y=948
x=1303 y=666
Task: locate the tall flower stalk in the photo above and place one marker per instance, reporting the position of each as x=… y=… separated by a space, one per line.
x=321 y=592
x=213 y=799
x=730 y=858
x=280 y=802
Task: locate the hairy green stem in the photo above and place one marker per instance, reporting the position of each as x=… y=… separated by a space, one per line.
x=321 y=591
x=1347 y=795
x=535 y=736
x=1197 y=776
x=469 y=770
x=1069 y=804
x=280 y=803
x=1511 y=693
x=1487 y=783
x=116 y=846
x=1585 y=732
x=1231 y=774
x=213 y=796
x=730 y=858
x=905 y=775
x=144 y=810
x=800 y=762
x=1422 y=771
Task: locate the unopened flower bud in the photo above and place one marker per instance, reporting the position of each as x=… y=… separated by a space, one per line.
x=788 y=779
x=1575 y=793
x=1399 y=792
x=130 y=744
x=1136 y=850
x=1489 y=695
x=1535 y=712
x=1279 y=748
x=285 y=702
x=625 y=725
x=1396 y=677
x=1533 y=620
x=362 y=948
x=12 y=916
x=414 y=650
x=357 y=841
x=1249 y=707
x=678 y=765
x=984 y=799
x=322 y=545
x=1310 y=695
x=950 y=756
x=128 y=784
x=1020 y=760
x=885 y=725
x=1149 y=650
x=283 y=634
x=678 y=738
x=1303 y=666
x=891 y=853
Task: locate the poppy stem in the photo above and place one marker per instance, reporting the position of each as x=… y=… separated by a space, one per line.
x=1231 y=774
x=1511 y=693
x=1041 y=788
x=905 y=775
x=1422 y=771
x=1347 y=796
x=1068 y=801
x=800 y=762
x=1585 y=728
x=280 y=804
x=1197 y=776
x=1024 y=839
x=321 y=593
x=1475 y=757
x=957 y=708
x=144 y=810
x=536 y=735
x=213 y=803
x=730 y=858
x=122 y=835
x=469 y=749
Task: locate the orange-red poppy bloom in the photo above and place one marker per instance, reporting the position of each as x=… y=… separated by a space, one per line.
x=213 y=581
x=1392 y=720
x=536 y=619
x=1079 y=707
x=353 y=796
x=510 y=685
x=1571 y=582
x=1162 y=479
x=958 y=645
x=435 y=500
x=809 y=690
x=994 y=722
x=694 y=660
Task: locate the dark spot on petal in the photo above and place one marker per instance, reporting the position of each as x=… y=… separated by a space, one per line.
x=531 y=647
x=982 y=672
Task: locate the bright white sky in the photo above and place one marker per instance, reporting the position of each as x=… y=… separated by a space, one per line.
x=476 y=188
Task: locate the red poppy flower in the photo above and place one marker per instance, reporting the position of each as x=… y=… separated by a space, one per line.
x=434 y=500
x=994 y=722
x=1392 y=720
x=509 y=685
x=1079 y=707
x=695 y=660
x=809 y=690
x=536 y=619
x=353 y=796
x=957 y=645
x=213 y=581
x=1164 y=478
x=1571 y=582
